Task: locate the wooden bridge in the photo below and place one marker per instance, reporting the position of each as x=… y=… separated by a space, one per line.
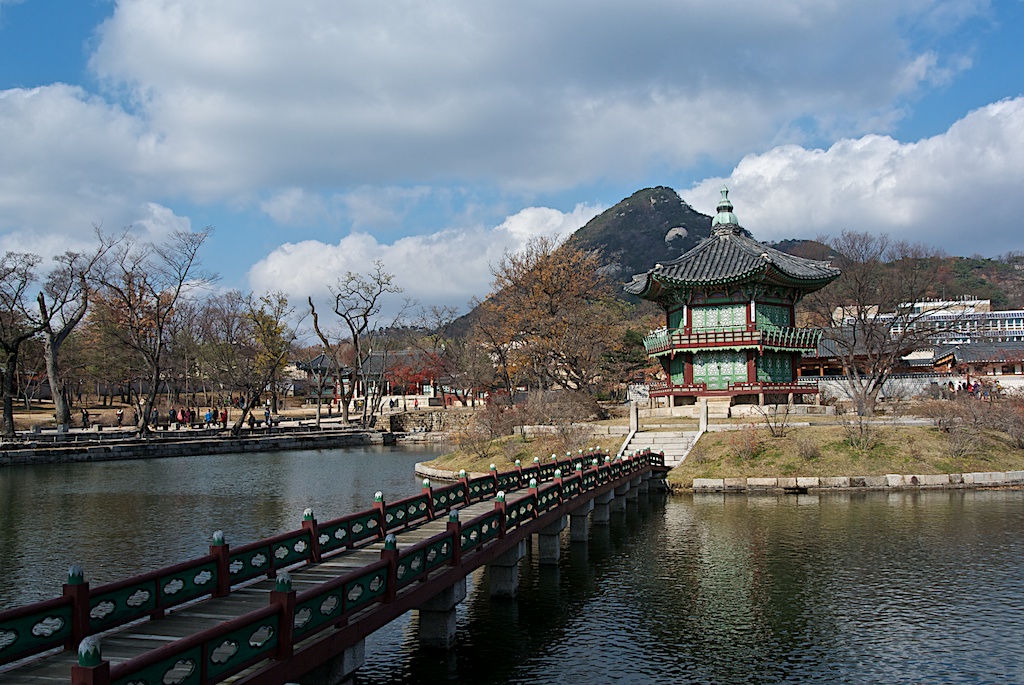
x=296 y=607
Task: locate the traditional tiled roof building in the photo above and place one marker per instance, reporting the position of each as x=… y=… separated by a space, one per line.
x=729 y=316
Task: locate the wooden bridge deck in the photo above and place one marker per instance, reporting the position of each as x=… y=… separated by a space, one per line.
x=160 y=639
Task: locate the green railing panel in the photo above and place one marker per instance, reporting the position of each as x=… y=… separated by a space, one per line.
x=410 y=567
x=34 y=632
x=317 y=611
x=438 y=553
x=249 y=564
x=187 y=584
x=363 y=527
x=228 y=653
x=571 y=487
x=365 y=588
x=405 y=512
x=547 y=498
x=482 y=487
x=333 y=536
x=547 y=471
x=181 y=669
x=479 y=532
x=589 y=479
x=292 y=549
x=121 y=605
x=449 y=497
x=508 y=481
x=519 y=512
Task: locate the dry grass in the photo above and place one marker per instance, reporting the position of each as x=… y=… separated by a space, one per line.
x=823 y=451
x=509 y=448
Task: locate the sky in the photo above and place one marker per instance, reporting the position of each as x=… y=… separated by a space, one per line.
x=318 y=136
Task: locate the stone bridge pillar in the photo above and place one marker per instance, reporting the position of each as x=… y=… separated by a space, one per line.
x=578 y=531
x=437 y=616
x=619 y=503
x=602 y=507
x=634 y=489
x=549 y=542
x=504 y=571
x=340 y=670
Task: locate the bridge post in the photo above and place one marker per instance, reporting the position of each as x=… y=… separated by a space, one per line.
x=602 y=508
x=284 y=596
x=91 y=668
x=78 y=590
x=549 y=542
x=309 y=523
x=222 y=551
x=437 y=616
x=634 y=489
x=340 y=669
x=619 y=502
x=504 y=571
x=578 y=531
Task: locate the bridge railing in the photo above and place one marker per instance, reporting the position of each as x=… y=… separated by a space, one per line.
x=272 y=632
x=66 y=620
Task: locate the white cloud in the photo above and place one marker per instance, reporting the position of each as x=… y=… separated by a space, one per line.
x=522 y=95
x=448 y=267
x=959 y=190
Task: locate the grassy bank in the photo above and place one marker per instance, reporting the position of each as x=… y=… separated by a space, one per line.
x=825 y=451
x=503 y=453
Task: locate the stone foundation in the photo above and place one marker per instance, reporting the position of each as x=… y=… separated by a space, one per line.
x=890 y=481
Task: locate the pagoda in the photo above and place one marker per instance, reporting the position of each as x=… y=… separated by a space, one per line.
x=730 y=317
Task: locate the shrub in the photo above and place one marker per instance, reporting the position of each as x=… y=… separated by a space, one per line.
x=807 y=449
x=746 y=443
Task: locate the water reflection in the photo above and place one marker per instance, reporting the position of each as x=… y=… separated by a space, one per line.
x=862 y=588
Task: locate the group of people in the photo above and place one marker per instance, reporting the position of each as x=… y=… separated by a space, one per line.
x=188 y=416
x=978 y=389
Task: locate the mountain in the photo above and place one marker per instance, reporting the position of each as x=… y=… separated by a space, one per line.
x=650 y=226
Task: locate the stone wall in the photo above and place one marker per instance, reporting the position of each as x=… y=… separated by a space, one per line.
x=887 y=482
x=430 y=421
x=162 y=448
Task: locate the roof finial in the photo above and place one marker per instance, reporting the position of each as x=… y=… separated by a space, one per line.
x=725 y=217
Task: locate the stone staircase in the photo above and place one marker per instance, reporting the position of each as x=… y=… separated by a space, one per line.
x=675 y=444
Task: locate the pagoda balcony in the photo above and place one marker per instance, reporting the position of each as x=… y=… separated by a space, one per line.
x=797 y=387
x=779 y=339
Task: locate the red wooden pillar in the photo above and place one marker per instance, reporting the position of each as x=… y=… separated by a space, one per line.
x=455 y=528
x=284 y=596
x=382 y=522
x=222 y=551
x=390 y=554
x=78 y=590
x=309 y=523
x=499 y=505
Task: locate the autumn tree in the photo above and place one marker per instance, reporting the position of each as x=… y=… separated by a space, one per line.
x=868 y=312
x=244 y=342
x=551 y=320
x=357 y=301
x=142 y=286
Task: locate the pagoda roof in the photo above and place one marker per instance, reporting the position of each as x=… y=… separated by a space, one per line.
x=729 y=256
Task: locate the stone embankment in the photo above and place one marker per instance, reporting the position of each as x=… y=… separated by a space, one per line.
x=98 y=450
x=859 y=483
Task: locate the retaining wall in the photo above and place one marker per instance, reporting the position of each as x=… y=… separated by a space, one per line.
x=161 y=448
x=887 y=482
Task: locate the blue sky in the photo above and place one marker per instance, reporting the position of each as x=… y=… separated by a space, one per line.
x=316 y=137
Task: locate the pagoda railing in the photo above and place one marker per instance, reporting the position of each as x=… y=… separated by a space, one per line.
x=782 y=338
x=799 y=387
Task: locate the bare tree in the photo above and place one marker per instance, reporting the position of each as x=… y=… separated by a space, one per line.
x=358 y=300
x=17 y=323
x=62 y=304
x=868 y=312
x=142 y=284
